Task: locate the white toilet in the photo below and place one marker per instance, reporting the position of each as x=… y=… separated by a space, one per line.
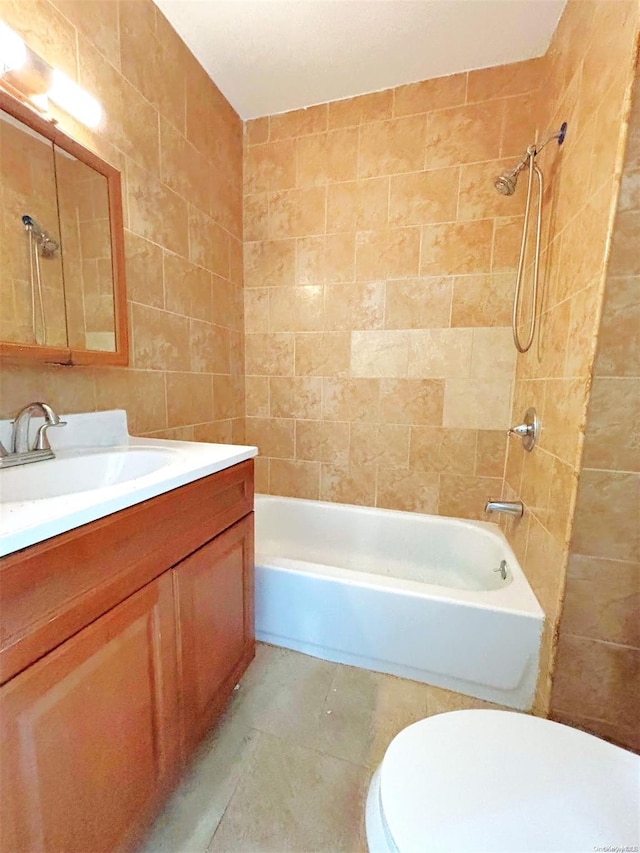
x=475 y=781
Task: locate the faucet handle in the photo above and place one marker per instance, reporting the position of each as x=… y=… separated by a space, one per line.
x=528 y=430
x=522 y=430
x=42 y=442
x=20 y=436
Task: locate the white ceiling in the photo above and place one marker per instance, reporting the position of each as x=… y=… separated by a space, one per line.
x=270 y=56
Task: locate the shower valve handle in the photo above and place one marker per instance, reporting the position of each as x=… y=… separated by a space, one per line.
x=522 y=430
x=527 y=430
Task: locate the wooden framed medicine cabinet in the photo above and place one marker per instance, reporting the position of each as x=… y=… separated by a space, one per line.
x=62 y=277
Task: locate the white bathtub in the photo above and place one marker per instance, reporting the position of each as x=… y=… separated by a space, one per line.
x=403 y=593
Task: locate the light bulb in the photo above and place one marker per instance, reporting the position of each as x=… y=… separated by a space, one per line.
x=74 y=100
x=13 y=51
x=41 y=101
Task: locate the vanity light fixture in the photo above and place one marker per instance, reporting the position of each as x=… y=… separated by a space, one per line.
x=74 y=100
x=13 y=51
x=24 y=74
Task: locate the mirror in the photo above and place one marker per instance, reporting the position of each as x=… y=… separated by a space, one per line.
x=62 y=290
x=85 y=235
x=31 y=287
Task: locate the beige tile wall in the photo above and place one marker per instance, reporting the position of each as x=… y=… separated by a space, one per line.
x=586 y=81
x=597 y=678
x=178 y=144
x=379 y=270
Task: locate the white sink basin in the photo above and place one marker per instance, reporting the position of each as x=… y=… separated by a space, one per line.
x=98 y=469
x=72 y=472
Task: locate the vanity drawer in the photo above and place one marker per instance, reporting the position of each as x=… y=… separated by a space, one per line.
x=50 y=591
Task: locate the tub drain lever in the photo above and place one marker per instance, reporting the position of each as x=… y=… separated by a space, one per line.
x=502 y=568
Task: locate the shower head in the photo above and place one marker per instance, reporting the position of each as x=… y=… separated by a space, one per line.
x=506 y=184
x=47 y=244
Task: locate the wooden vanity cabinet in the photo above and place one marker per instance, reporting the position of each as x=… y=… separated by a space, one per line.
x=215 y=607
x=95 y=731
x=89 y=732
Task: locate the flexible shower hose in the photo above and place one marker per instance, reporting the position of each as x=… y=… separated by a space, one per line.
x=533 y=167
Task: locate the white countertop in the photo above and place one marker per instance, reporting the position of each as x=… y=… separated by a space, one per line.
x=24 y=523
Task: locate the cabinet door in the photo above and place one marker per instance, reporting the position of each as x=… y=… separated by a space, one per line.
x=215 y=605
x=89 y=732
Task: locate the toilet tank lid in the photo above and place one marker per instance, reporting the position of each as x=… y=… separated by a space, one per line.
x=501 y=781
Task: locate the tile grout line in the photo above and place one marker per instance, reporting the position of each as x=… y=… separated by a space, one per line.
x=314 y=749
x=241 y=775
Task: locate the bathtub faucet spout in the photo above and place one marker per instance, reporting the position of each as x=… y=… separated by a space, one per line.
x=508 y=507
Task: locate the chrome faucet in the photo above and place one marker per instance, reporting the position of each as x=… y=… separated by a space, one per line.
x=508 y=507
x=21 y=453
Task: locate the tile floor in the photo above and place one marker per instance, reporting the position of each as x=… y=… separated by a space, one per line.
x=288 y=766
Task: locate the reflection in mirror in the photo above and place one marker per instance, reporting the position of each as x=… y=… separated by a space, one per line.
x=83 y=206
x=32 y=309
